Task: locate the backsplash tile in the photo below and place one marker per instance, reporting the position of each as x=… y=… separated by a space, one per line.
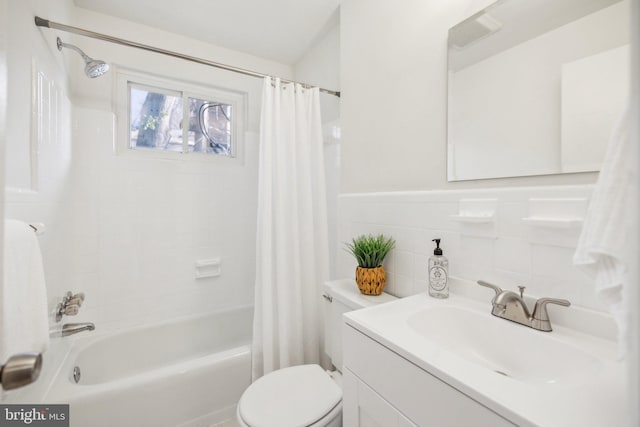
x=506 y=250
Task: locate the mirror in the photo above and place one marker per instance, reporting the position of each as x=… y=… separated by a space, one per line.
x=535 y=87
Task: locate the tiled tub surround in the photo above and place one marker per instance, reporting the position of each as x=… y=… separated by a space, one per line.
x=508 y=236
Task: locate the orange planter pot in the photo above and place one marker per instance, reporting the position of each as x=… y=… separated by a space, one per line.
x=371 y=281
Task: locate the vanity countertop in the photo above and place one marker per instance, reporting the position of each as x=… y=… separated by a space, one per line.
x=562 y=378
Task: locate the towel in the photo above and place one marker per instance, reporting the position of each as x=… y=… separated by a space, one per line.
x=601 y=250
x=24 y=320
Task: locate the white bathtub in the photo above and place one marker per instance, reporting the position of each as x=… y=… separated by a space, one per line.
x=188 y=372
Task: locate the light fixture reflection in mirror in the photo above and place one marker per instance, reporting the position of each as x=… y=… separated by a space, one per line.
x=535 y=87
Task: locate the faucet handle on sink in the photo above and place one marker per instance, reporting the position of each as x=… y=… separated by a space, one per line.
x=497 y=289
x=540 y=317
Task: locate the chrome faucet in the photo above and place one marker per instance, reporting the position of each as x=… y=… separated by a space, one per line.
x=511 y=306
x=74 y=328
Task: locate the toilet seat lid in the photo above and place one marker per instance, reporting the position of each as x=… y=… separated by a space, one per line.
x=297 y=396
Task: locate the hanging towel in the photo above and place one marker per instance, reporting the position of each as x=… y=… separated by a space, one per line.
x=601 y=247
x=23 y=303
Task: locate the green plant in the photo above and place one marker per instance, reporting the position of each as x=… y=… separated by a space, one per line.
x=370 y=250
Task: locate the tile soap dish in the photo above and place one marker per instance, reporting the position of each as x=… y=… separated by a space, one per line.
x=473 y=218
x=552 y=222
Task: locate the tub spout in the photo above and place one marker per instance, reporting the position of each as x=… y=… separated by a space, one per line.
x=74 y=328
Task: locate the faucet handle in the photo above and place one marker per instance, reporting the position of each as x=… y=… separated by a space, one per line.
x=497 y=289
x=74 y=301
x=79 y=295
x=540 y=316
x=71 y=310
x=521 y=288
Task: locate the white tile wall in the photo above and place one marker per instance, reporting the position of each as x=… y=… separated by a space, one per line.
x=506 y=250
x=128 y=232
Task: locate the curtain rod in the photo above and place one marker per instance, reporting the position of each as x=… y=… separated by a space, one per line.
x=40 y=22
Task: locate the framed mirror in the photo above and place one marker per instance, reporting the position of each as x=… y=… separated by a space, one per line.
x=535 y=87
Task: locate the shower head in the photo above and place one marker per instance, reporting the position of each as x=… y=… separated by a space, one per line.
x=93 y=67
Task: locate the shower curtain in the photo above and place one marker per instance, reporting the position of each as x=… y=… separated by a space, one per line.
x=292 y=260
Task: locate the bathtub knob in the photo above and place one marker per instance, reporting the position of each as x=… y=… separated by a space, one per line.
x=75 y=301
x=71 y=310
x=79 y=295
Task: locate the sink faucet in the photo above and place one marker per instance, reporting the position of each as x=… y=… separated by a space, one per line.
x=511 y=306
x=74 y=328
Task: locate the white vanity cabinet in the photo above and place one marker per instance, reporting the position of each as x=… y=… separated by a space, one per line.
x=363 y=407
x=383 y=389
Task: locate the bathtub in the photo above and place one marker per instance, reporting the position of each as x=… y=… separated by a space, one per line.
x=186 y=372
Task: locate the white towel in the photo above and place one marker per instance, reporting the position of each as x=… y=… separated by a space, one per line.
x=609 y=220
x=23 y=301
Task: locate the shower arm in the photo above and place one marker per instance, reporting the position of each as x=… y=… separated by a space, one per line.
x=62 y=44
x=40 y=22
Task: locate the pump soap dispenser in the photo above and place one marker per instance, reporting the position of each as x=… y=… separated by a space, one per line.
x=438 y=273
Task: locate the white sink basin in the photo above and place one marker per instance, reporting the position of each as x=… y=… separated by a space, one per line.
x=504 y=347
x=563 y=378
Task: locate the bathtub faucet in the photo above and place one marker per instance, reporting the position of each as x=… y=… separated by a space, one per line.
x=74 y=328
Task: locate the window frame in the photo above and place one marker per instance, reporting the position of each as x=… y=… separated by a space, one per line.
x=174 y=87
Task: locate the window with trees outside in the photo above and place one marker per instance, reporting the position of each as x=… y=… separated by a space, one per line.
x=165 y=116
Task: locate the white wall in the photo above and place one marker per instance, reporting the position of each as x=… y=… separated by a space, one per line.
x=320 y=66
x=634 y=241
x=150 y=220
x=506 y=251
x=45 y=154
x=394 y=63
x=4 y=7
x=126 y=230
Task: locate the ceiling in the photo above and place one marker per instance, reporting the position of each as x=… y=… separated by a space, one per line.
x=280 y=30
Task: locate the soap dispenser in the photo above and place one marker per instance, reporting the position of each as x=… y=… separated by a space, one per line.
x=438 y=273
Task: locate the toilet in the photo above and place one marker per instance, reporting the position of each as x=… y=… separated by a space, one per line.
x=307 y=395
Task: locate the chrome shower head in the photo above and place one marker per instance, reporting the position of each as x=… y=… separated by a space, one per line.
x=93 y=67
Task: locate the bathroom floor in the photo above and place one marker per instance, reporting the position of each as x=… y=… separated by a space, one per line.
x=231 y=422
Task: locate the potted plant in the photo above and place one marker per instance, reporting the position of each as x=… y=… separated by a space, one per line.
x=370 y=251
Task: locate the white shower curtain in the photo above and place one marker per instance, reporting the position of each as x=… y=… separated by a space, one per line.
x=292 y=259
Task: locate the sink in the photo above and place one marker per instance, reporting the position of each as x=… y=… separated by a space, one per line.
x=565 y=378
x=506 y=348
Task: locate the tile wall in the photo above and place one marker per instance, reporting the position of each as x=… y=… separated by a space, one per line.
x=510 y=236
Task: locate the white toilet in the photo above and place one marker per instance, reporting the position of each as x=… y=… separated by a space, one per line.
x=307 y=395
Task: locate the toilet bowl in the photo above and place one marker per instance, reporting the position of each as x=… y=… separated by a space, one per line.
x=301 y=396
x=307 y=395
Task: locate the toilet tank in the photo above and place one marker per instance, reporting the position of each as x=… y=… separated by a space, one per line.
x=341 y=296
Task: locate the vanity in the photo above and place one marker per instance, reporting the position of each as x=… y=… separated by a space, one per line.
x=424 y=362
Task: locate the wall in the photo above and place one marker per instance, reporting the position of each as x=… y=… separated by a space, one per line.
x=633 y=363
x=36 y=168
x=393 y=179
x=320 y=66
x=147 y=220
x=124 y=230
x=4 y=7
x=505 y=250
x=394 y=62
x=38 y=160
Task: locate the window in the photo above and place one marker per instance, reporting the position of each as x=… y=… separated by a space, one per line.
x=169 y=117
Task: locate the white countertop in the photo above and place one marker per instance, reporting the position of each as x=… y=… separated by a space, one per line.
x=593 y=399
